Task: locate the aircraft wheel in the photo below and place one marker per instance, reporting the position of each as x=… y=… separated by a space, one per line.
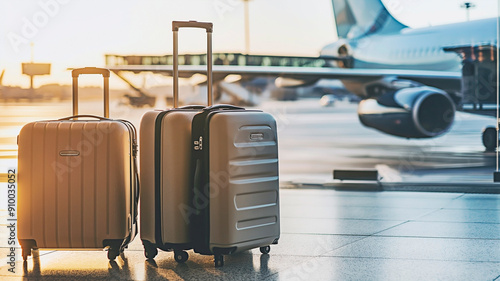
x=490 y=138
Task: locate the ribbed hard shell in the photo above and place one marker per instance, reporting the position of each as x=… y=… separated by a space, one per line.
x=244 y=181
x=75 y=182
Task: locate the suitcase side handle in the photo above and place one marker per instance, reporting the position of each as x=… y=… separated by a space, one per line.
x=208 y=26
x=192 y=107
x=91 y=70
x=86 y=116
x=222 y=107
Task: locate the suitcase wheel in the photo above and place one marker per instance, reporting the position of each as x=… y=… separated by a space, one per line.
x=181 y=256
x=219 y=260
x=265 y=249
x=112 y=254
x=150 y=252
x=26 y=253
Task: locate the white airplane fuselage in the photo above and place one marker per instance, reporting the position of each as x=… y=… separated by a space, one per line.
x=416 y=48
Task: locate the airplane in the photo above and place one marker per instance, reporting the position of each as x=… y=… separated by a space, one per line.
x=410 y=85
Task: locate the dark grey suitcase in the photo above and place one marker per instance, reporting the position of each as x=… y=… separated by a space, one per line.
x=235 y=181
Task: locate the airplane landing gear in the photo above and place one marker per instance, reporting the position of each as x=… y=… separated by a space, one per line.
x=490 y=138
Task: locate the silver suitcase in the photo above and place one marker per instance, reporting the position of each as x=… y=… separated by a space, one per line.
x=235 y=181
x=78 y=181
x=165 y=169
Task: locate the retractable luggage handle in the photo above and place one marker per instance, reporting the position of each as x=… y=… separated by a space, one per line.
x=91 y=70
x=208 y=26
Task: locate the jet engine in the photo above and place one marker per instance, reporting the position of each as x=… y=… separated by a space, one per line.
x=415 y=112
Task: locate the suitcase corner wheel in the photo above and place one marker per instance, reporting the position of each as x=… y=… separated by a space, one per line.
x=181 y=256
x=114 y=248
x=26 y=246
x=150 y=250
x=219 y=260
x=150 y=253
x=26 y=252
x=113 y=253
x=265 y=249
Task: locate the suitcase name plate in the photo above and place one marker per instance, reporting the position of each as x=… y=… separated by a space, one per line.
x=69 y=153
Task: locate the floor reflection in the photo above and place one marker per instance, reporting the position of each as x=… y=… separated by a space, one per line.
x=91 y=265
x=36 y=264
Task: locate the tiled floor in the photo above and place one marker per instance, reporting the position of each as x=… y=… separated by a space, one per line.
x=326 y=235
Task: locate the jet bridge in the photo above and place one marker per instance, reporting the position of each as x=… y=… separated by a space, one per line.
x=237 y=59
x=221 y=59
x=480 y=89
x=479 y=78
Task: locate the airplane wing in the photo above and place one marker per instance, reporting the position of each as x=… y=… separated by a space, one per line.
x=409 y=110
x=449 y=81
x=305 y=73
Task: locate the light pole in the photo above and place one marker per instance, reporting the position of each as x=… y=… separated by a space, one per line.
x=247 y=27
x=467 y=6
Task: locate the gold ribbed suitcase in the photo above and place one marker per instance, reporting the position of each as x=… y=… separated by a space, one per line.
x=78 y=181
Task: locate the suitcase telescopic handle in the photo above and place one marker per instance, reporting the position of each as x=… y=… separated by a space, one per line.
x=208 y=26
x=90 y=70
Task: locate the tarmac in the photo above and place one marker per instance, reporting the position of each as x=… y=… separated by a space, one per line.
x=432 y=214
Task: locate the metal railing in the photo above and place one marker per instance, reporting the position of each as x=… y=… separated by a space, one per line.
x=220 y=59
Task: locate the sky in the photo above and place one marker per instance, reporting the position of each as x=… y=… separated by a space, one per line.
x=77 y=33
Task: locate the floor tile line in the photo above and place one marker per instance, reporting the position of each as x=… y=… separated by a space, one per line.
x=438 y=237
x=327 y=234
x=409 y=259
x=472 y=209
x=285 y=217
x=361 y=237
x=359 y=206
x=391 y=236
x=371 y=235
x=453 y=200
x=456 y=222
x=498 y=278
x=427 y=214
x=439 y=221
x=458 y=197
x=394 y=226
x=291 y=266
x=350 y=243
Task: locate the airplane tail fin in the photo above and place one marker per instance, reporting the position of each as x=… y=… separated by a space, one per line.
x=1 y=77
x=358 y=18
